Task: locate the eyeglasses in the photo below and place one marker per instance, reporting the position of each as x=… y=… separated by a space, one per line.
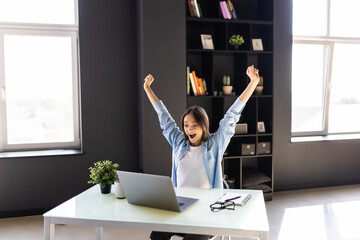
x=216 y=207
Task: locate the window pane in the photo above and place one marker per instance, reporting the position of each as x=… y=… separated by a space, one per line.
x=345 y=18
x=309 y=17
x=344 y=111
x=38 y=11
x=307 y=88
x=39 y=89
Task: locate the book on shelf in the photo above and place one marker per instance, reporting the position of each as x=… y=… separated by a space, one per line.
x=237 y=7
x=190 y=6
x=227 y=10
x=200 y=11
x=194 y=8
x=232 y=9
x=204 y=84
x=188 y=80
x=196 y=83
x=192 y=82
x=223 y=9
x=201 y=87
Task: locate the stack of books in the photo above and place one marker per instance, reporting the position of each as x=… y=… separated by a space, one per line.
x=194 y=8
x=195 y=84
x=228 y=10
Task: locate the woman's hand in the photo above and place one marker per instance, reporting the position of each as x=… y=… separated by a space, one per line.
x=151 y=95
x=253 y=74
x=148 y=81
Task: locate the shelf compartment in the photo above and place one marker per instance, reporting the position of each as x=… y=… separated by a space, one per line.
x=261 y=10
x=217 y=30
x=242 y=30
x=265 y=32
x=235 y=146
x=264 y=63
x=265 y=113
x=231 y=168
x=201 y=63
x=255 y=172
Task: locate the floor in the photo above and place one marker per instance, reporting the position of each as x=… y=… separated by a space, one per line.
x=322 y=214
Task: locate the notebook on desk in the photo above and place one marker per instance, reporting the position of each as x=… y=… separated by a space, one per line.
x=152 y=191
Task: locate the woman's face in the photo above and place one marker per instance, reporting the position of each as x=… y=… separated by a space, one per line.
x=193 y=130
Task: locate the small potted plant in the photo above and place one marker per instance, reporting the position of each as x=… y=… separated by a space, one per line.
x=259 y=88
x=103 y=173
x=227 y=88
x=236 y=41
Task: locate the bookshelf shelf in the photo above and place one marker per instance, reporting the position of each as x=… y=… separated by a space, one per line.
x=209 y=20
x=255 y=20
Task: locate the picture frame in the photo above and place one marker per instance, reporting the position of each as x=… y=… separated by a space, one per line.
x=206 y=41
x=261 y=127
x=257 y=44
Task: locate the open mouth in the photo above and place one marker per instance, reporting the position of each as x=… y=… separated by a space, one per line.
x=192 y=136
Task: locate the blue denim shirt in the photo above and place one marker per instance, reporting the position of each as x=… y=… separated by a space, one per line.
x=212 y=149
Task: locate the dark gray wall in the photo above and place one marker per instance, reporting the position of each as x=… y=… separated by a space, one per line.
x=162 y=40
x=310 y=164
x=109 y=99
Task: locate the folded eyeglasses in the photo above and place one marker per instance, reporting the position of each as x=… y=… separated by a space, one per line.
x=216 y=207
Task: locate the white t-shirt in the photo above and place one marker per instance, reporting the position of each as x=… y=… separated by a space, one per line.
x=191 y=171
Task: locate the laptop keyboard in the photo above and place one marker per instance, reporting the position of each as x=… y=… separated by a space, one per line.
x=180 y=204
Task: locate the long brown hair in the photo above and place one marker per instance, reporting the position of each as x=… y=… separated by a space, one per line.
x=201 y=118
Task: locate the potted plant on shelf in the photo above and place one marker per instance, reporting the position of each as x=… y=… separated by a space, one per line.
x=259 y=88
x=236 y=41
x=227 y=88
x=104 y=174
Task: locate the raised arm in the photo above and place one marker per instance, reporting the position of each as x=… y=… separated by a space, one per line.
x=253 y=74
x=147 y=83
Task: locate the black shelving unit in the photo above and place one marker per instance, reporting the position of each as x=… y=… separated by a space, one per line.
x=255 y=20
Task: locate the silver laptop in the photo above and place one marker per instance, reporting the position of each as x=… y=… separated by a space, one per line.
x=152 y=191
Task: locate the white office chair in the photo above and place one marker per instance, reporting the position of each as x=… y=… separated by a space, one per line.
x=212 y=237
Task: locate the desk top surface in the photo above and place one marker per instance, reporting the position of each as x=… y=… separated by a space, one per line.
x=94 y=206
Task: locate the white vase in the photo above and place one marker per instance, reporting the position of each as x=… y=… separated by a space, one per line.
x=119 y=191
x=258 y=90
x=227 y=90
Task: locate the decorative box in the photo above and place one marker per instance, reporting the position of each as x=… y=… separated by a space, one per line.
x=248 y=149
x=264 y=148
x=241 y=128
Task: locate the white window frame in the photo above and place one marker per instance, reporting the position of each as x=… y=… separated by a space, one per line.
x=328 y=42
x=42 y=30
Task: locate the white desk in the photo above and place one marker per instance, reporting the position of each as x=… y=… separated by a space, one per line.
x=91 y=208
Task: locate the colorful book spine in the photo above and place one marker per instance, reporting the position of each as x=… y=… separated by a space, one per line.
x=193 y=86
x=201 y=87
x=196 y=83
x=223 y=11
x=205 y=86
x=232 y=9
x=190 y=8
x=188 y=80
x=227 y=10
x=196 y=8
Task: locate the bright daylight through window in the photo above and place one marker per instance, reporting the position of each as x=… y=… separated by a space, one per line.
x=325 y=83
x=39 y=75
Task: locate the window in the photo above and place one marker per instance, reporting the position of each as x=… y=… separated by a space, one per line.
x=325 y=82
x=39 y=75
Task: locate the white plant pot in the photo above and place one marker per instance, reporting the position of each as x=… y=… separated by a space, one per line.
x=119 y=192
x=227 y=90
x=258 y=90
